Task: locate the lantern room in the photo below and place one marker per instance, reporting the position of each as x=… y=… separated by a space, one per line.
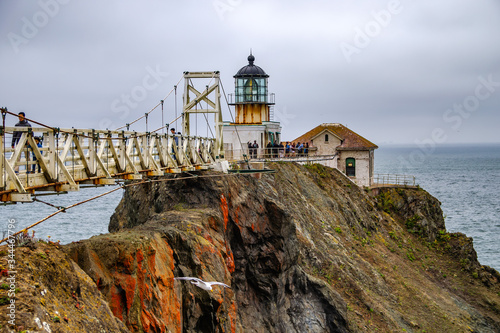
x=252 y=99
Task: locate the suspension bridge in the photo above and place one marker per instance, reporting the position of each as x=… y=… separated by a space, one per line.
x=46 y=159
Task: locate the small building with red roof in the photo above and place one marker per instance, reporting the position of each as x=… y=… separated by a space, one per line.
x=354 y=155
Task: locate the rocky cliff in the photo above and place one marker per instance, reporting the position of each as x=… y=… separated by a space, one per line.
x=303 y=249
x=43 y=290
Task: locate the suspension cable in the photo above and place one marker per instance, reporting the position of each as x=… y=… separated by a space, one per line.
x=159 y=103
x=162 y=121
x=49 y=204
x=175 y=87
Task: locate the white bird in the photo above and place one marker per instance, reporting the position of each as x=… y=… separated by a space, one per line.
x=202 y=284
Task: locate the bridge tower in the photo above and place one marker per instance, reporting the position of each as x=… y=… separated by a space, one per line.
x=211 y=97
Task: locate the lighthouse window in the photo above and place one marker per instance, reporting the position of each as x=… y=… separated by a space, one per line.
x=251 y=90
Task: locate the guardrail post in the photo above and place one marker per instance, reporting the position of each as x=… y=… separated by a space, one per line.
x=122 y=148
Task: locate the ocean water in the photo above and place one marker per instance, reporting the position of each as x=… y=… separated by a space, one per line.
x=466 y=179
x=80 y=222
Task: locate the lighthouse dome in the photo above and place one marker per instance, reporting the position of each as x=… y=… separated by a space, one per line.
x=251 y=69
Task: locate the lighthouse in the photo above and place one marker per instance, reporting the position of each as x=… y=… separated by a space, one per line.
x=253 y=105
x=252 y=101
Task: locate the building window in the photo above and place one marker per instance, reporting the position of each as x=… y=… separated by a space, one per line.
x=350 y=167
x=326 y=138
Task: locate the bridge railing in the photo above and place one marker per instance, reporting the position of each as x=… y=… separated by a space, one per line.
x=67 y=157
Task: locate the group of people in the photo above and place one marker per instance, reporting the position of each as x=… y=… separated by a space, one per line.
x=275 y=150
x=299 y=149
x=252 y=149
x=289 y=149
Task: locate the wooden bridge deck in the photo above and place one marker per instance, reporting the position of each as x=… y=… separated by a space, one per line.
x=68 y=158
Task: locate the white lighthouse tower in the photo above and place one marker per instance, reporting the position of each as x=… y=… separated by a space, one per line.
x=253 y=106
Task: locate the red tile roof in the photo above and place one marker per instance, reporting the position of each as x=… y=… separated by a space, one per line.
x=350 y=139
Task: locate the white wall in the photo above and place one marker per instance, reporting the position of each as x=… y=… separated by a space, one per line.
x=326 y=148
x=364 y=159
x=234 y=134
x=362 y=165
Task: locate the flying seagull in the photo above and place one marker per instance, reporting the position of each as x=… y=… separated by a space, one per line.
x=202 y=284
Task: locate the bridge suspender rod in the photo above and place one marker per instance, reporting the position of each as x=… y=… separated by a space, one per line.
x=147 y=113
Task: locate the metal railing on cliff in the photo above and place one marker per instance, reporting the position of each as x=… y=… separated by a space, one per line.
x=387 y=180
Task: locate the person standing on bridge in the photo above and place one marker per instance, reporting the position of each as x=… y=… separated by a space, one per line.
x=38 y=141
x=17 y=136
x=22 y=123
x=176 y=141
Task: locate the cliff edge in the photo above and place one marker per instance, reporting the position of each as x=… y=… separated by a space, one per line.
x=303 y=250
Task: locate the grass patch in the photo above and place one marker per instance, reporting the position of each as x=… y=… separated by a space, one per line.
x=410 y=255
x=384 y=202
x=413 y=226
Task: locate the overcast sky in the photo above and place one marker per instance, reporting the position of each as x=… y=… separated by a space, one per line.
x=393 y=71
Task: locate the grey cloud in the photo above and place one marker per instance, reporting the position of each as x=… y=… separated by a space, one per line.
x=428 y=57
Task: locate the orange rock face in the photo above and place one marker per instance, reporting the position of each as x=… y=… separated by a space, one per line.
x=137 y=281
